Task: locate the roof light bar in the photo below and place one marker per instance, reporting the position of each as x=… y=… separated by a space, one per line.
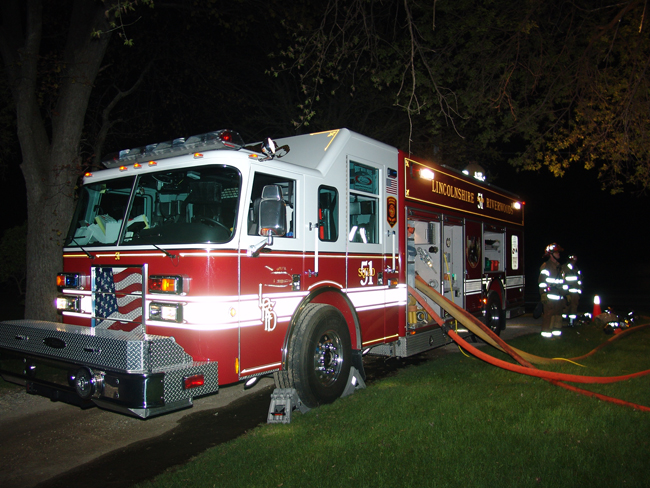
x=221 y=139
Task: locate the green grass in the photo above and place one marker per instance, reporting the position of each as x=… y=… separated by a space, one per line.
x=456 y=422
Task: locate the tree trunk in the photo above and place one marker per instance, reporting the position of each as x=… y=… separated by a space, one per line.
x=49 y=140
x=49 y=207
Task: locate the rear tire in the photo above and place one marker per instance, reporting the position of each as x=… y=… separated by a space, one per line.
x=319 y=357
x=495 y=317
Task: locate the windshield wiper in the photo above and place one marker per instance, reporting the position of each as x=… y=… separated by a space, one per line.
x=172 y=256
x=87 y=253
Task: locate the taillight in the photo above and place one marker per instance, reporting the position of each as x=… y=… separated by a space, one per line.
x=166 y=284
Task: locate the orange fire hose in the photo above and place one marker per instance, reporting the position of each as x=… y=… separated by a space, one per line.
x=521 y=357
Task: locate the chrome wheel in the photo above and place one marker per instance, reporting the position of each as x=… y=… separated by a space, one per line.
x=319 y=357
x=328 y=358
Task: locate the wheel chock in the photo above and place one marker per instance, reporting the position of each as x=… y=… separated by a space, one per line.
x=283 y=402
x=355 y=382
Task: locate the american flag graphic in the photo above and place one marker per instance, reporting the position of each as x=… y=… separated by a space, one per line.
x=391 y=185
x=118 y=297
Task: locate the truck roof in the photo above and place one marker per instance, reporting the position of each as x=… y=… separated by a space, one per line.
x=319 y=150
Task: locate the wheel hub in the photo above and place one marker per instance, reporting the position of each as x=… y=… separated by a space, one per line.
x=327 y=358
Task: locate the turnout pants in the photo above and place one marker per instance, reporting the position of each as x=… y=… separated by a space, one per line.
x=552 y=318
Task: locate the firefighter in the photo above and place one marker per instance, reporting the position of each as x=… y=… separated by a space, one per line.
x=552 y=288
x=573 y=279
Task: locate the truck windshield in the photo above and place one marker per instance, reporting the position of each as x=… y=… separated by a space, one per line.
x=183 y=206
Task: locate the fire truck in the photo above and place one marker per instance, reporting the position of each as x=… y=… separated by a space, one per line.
x=204 y=261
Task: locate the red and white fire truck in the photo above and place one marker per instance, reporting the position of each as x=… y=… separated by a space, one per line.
x=201 y=262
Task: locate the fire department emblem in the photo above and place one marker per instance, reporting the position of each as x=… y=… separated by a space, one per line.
x=269 y=317
x=391 y=206
x=480 y=200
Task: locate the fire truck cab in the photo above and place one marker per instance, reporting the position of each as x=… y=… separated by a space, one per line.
x=204 y=261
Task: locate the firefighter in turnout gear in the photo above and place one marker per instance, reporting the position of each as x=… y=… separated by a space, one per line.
x=573 y=279
x=552 y=288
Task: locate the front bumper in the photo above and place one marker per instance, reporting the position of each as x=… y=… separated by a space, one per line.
x=129 y=372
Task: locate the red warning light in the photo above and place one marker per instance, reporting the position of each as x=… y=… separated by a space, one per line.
x=193 y=381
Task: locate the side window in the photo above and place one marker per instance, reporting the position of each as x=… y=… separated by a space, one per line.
x=328 y=214
x=364 y=203
x=288 y=188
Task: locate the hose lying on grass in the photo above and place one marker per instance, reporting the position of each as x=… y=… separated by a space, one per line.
x=523 y=358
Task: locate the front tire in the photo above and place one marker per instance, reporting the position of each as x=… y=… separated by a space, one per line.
x=319 y=357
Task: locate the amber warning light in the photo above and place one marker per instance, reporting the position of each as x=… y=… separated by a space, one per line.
x=166 y=284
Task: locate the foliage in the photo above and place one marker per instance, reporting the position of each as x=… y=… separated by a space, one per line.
x=540 y=83
x=116 y=14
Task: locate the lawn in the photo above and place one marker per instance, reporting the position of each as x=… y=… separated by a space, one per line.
x=457 y=421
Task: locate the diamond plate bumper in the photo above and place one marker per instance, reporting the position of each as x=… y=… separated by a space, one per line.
x=130 y=372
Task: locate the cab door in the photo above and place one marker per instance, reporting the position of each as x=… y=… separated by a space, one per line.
x=270 y=278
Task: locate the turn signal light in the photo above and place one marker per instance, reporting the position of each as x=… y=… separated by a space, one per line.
x=67 y=280
x=166 y=284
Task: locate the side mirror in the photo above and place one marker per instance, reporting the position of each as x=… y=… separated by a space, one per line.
x=272 y=212
x=272 y=218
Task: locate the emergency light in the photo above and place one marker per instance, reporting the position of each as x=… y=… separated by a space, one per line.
x=221 y=139
x=193 y=381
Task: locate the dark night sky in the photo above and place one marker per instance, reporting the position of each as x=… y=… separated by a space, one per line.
x=607 y=233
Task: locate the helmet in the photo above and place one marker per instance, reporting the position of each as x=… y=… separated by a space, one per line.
x=551 y=248
x=573 y=257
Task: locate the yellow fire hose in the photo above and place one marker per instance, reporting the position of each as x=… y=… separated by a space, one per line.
x=474 y=325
